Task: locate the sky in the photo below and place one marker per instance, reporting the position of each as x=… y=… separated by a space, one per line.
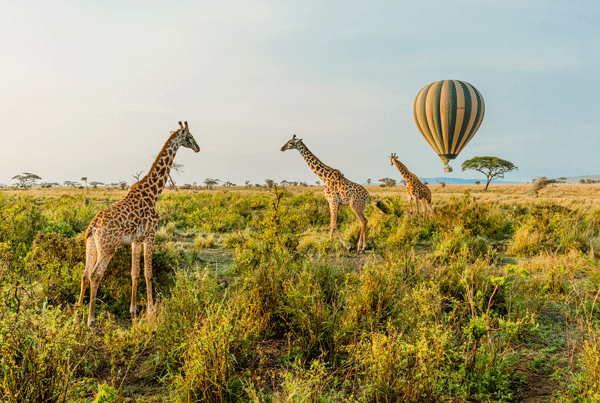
x=93 y=88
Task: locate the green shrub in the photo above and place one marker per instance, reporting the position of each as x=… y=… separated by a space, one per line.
x=311 y=308
x=41 y=353
x=106 y=394
x=371 y=297
x=20 y=220
x=68 y=215
x=397 y=368
x=207 y=373
x=185 y=306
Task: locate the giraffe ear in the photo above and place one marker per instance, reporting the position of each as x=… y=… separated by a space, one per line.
x=173 y=132
x=180 y=124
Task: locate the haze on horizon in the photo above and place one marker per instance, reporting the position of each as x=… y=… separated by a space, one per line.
x=93 y=88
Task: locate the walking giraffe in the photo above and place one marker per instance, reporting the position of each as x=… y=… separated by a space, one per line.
x=132 y=220
x=415 y=190
x=338 y=190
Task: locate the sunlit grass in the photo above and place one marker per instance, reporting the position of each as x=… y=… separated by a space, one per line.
x=494 y=295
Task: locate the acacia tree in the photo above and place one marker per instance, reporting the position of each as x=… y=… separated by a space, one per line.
x=71 y=183
x=491 y=167
x=209 y=182
x=26 y=179
x=387 y=182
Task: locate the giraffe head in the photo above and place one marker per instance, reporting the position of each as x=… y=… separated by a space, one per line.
x=293 y=143
x=185 y=137
x=392 y=158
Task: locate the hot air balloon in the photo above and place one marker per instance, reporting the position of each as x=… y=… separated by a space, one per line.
x=448 y=113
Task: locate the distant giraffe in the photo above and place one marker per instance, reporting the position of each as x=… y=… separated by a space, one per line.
x=338 y=190
x=415 y=190
x=133 y=220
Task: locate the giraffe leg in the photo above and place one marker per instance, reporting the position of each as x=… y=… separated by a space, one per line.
x=96 y=275
x=136 y=250
x=424 y=204
x=417 y=206
x=333 y=213
x=91 y=255
x=410 y=200
x=429 y=208
x=362 y=239
x=148 y=246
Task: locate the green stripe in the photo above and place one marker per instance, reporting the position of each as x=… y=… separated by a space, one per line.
x=480 y=111
x=452 y=109
x=437 y=123
x=465 y=125
x=478 y=117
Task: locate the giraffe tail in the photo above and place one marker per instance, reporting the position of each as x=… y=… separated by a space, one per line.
x=381 y=206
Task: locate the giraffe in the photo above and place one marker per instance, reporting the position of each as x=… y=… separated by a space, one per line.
x=338 y=190
x=131 y=220
x=415 y=190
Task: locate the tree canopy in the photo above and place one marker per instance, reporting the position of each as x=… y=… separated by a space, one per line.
x=387 y=182
x=26 y=179
x=491 y=167
x=209 y=182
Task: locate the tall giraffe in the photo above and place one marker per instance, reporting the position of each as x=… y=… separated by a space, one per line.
x=338 y=190
x=415 y=190
x=132 y=220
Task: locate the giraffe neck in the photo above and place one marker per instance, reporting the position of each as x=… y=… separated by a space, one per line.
x=323 y=171
x=406 y=174
x=155 y=180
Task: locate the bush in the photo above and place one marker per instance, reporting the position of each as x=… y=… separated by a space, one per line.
x=400 y=369
x=42 y=351
x=207 y=373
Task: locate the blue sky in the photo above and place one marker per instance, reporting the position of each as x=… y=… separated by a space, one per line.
x=92 y=88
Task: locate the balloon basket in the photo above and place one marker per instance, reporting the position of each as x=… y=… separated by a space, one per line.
x=447 y=168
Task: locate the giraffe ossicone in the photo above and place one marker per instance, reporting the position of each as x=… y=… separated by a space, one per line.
x=131 y=220
x=338 y=191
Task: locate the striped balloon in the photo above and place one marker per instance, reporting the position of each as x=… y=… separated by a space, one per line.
x=448 y=113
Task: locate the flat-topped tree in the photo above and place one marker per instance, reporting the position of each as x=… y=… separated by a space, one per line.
x=26 y=179
x=133 y=220
x=491 y=167
x=209 y=182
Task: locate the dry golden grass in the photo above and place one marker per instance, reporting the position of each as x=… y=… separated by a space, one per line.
x=573 y=196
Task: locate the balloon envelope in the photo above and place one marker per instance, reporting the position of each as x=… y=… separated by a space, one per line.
x=448 y=113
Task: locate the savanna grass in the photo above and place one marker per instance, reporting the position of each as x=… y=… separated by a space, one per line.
x=461 y=306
